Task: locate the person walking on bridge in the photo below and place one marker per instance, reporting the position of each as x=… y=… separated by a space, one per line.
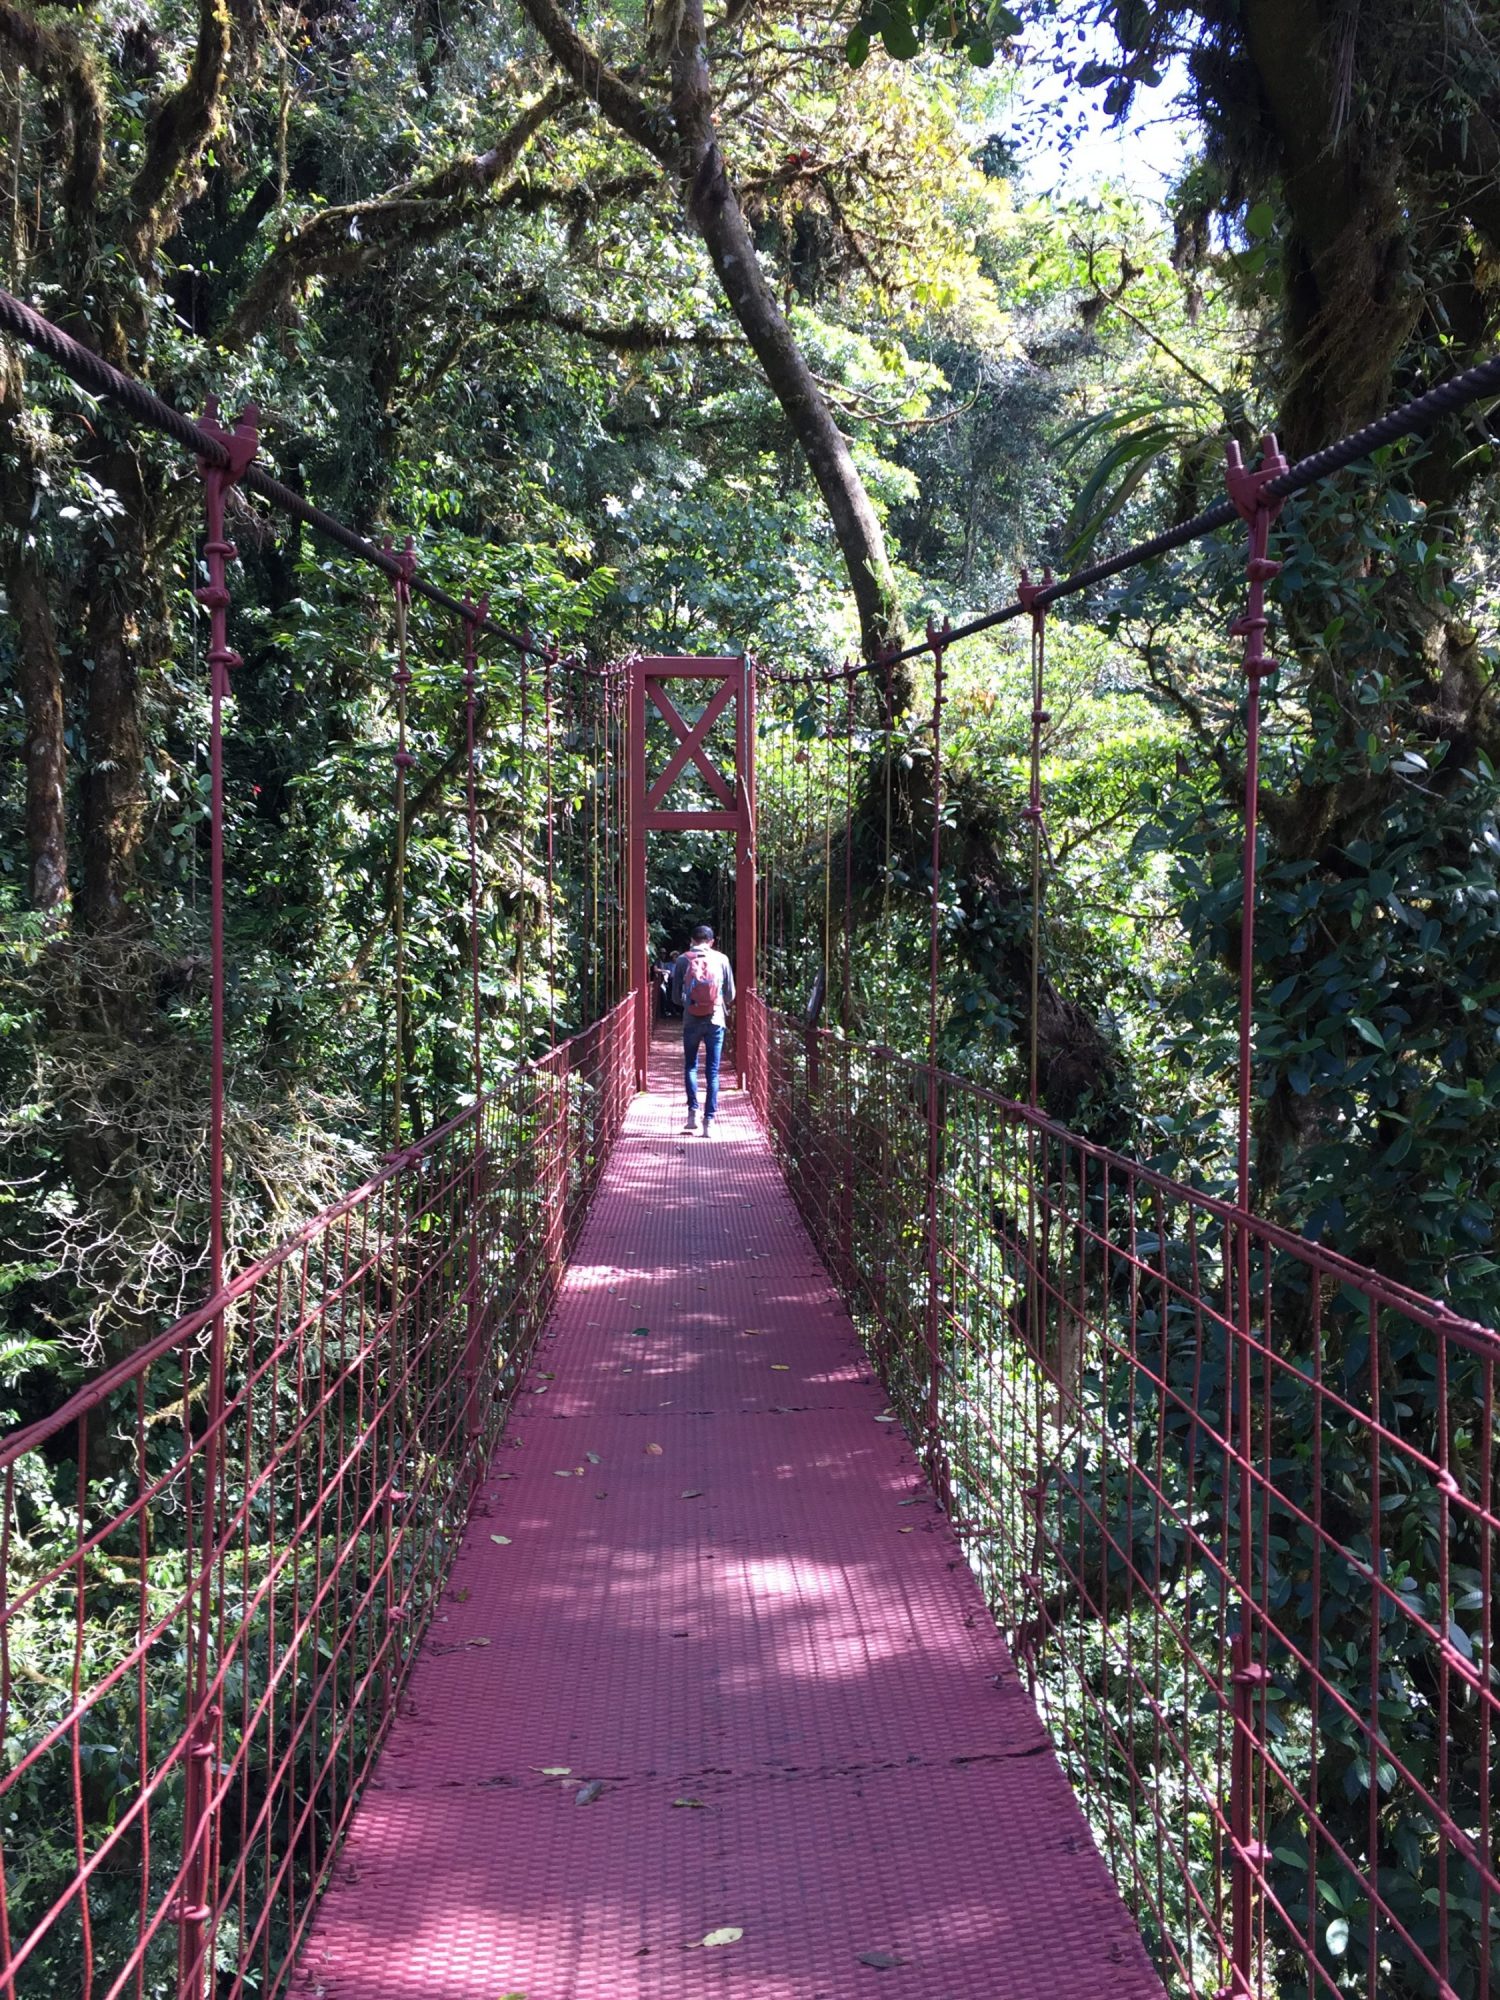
x=702 y=985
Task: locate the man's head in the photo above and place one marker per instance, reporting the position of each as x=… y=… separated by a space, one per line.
x=704 y=934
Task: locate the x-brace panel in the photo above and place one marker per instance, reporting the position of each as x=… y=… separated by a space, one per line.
x=734 y=792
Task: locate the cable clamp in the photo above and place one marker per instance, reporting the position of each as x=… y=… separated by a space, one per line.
x=1247 y=484
x=239 y=441
x=1027 y=593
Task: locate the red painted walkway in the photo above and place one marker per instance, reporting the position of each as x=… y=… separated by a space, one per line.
x=742 y=1627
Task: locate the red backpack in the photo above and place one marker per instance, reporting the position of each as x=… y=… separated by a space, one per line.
x=701 y=983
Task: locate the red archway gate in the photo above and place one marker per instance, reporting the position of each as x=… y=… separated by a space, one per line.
x=729 y=685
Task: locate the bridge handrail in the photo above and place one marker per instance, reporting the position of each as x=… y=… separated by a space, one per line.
x=184 y=1331
x=295 y=1531
x=1234 y=1498
x=1433 y=1313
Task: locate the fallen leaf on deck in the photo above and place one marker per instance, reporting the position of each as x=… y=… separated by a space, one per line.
x=886 y=1417
x=906 y=1531
x=503 y=1540
x=653 y=1451
x=692 y=1493
x=728 y=1935
x=696 y=1804
x=561 y=1474
x=578 y=1472
x=554 y=1770
x=594 y=1458
x=478 y=1642
x=781 y=1367
x=641 y=1332
x=540 y=1392
x=590 y=1792
x=601 y=1496
x=881 y=1960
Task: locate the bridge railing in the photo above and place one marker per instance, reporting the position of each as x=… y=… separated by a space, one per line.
x=1235 y=1502
x=211 y=1591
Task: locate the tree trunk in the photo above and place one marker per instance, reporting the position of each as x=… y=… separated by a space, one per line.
x=714 y=207
x=1350 y=301
x=39 y=670
x=683 y=142
x=114 y=773
x=40 y=674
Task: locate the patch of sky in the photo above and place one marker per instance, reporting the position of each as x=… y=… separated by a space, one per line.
x=1067 y=145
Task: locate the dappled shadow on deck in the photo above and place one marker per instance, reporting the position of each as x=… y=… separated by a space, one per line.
x=707 y=1578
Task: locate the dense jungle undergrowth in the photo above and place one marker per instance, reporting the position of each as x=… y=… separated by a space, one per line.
x=747 y=332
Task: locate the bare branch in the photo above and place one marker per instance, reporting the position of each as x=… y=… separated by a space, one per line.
x=852 y=404
x=734 y=14
x=649 y=127
x=338 y=242
x=634 y=336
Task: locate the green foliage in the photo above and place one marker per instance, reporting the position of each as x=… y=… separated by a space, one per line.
x=540 y=384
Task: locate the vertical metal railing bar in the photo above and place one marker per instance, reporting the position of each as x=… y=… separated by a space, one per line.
x=343 y=1395
x=403 y=760
x=1248 y=491
x=1135 y=1669
x=239 y=446
x=937 y=1470
x=474 y=617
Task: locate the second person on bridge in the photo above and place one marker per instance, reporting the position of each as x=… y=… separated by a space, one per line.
x=702 y=985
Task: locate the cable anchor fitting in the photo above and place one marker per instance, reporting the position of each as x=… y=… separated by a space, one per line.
x=240 y=441
x=1258 y=509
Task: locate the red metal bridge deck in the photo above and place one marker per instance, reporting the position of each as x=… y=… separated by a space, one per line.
x=738 y=1615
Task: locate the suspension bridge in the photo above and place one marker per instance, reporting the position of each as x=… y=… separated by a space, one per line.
x=922 y=1552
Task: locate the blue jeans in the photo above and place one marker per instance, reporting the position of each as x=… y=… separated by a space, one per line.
x=710 y=1035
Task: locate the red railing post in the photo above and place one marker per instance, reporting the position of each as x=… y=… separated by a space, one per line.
x=937 y=638
x=638 y=972
x=745 y=900
x=474 y=618
x=1034 y=1262
x=1258 y=510
x=406 y=563
x=202 y=1735
x=1028 y=595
